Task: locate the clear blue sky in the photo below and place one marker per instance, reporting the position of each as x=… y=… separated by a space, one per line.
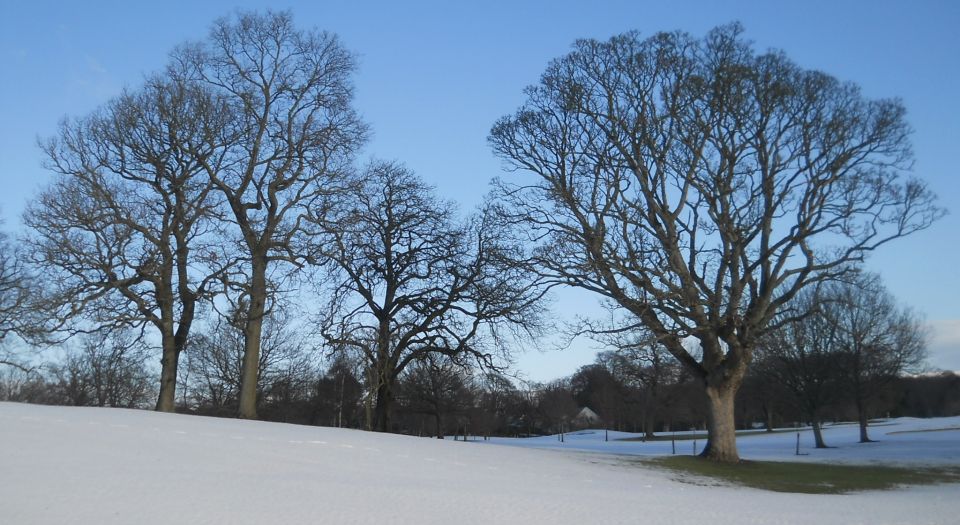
x=435 y=75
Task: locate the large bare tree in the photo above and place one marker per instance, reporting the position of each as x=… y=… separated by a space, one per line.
x=124 y=235
x=293 y=135
x=410 y=280
x=700 y=186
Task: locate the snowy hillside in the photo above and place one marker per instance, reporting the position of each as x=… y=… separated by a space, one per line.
x=93 y=466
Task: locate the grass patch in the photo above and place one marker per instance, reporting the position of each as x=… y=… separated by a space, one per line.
x=703 y=435
x=805 y=478
x=667 y=436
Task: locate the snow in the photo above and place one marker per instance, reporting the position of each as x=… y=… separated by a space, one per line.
x=897 y=441
x=93 y=466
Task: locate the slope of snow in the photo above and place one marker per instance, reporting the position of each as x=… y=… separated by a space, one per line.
x=97 y=466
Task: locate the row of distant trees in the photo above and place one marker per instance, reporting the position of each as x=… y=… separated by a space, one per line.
x=440 y=397
x=711 y=196
x=850 y=358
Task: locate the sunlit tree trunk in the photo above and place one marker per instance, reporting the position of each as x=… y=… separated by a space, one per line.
x=721 y=427
x=254 y=326
x=168 y=372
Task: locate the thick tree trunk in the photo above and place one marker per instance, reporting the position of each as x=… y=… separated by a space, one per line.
x=381 y=412
x=439 y=424
x=862 y=419
x=250 y=373
x=721 y=427
x=172 y=344
x=384 y=376
x=168 y=374
x=168 y=345
x=818 y=433
x=649 y=421
x=649 y=412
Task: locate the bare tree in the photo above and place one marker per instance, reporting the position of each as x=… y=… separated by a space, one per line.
x=13 y=287
x=700 y=186
x=123 y=235
x=215 y=359
x=14 y=304
x=338 y=397
x=497 y=399
x=410 y=280
x=876 y=340
x=556 y=406
x=643 y=364
x=596 y=387
x=108 y=369
x=803 y=356
x=437 y=386
x=293 y=134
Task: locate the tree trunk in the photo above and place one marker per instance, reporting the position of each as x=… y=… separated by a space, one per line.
x=250 y=373
x=168 y=374
x=381 y=412
x=436 y=417
x=721 y=429
x=649 y=422
x=383 y=373
x=818 y=433
x=173 y=343
x=862 y=419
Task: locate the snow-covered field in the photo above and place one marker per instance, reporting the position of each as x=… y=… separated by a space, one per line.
x=905 y=440
x=63 y=465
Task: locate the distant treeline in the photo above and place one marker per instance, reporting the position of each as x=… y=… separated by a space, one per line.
x=441 y=397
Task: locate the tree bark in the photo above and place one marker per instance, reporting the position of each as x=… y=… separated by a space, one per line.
x=383 y=373
x=251 y=352
x=173 y=343
x=818 y=433
x=168 y=374
x=721 y=427
x=168 y=343
x=649 y=419
x=862 y=419
x=768 y=416
x=381 y=412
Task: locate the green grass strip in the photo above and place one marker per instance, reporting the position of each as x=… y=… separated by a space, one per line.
x=804 y=478
x=666 y=436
